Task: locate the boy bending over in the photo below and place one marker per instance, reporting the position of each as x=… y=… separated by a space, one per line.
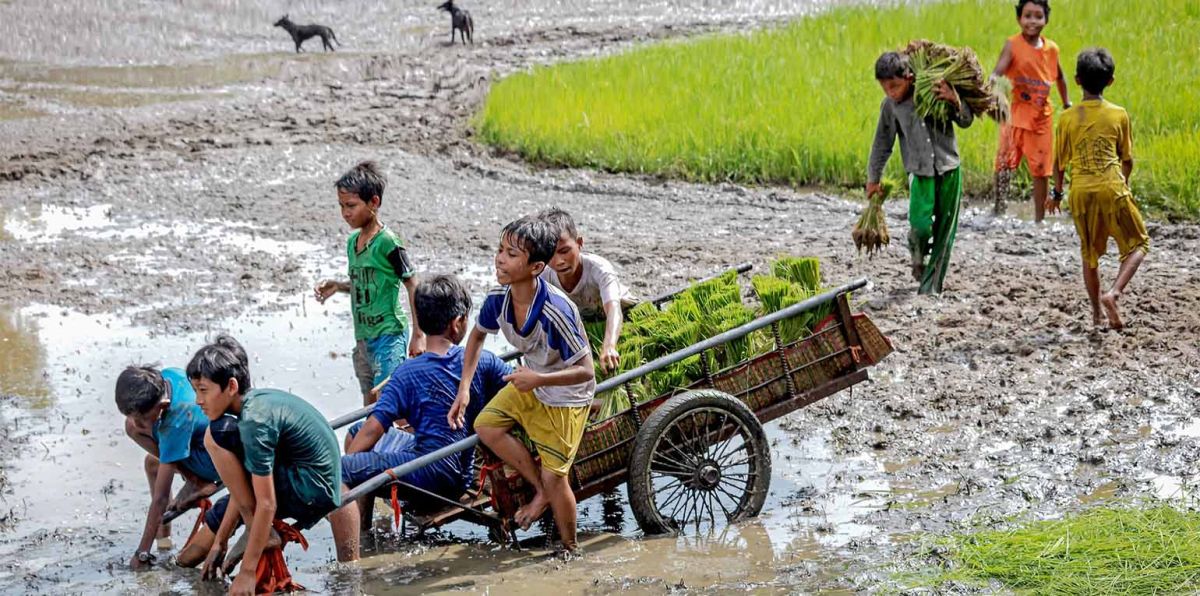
x=162 y=417
x=420 y=392
x=1095 y=140
x=549 y=397
x=590 y=281
x=278 y=457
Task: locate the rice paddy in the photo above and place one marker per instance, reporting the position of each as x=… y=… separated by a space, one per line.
x=1110 y=550
x=797 y=105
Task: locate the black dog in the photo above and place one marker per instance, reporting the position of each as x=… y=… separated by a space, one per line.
x=460 y=20
x=300 y=33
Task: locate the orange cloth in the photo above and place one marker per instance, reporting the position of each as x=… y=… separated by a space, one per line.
x=272 y=574
x=1033 y=72
x=1037 y=148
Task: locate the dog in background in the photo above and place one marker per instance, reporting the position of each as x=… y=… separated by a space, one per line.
x=460 y=20
x=300 y=33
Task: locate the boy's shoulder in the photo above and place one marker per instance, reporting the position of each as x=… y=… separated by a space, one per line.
x=560 y=310
x=390 y=236
x=595 y=260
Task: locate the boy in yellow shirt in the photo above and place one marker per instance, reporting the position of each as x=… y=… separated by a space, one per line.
x=1095 y=140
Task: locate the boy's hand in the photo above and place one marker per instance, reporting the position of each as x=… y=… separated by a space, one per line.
x=946 y=93
x=609 y=358
x=873 y=188
x=137 y=564
x=243 y=584
x=457 y=416
x=524 y=379
x=325 y=289
x=416 y=345
x=211 y=569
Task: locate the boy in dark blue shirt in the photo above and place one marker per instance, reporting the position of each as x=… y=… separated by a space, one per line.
x=420 y=393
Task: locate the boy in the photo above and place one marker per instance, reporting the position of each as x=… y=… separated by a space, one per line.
x=930 y=155
x=378 y=265
x=1031 y=64
x=420 y=392
x=549 y=397
x=1095 y=140
x=162 y=417
x=275 y=452
x=590 y=281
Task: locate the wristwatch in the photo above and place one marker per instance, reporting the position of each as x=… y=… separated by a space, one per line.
x=1056 y=194
x=146 y=557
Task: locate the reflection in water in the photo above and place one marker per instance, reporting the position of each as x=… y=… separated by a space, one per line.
x=22 y=361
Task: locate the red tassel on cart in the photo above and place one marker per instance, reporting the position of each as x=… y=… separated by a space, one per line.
x=272 y=574
x=204 y=506
x=396 y=499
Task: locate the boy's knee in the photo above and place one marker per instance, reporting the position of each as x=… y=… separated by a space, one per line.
x=490 y=434
x=150 y=464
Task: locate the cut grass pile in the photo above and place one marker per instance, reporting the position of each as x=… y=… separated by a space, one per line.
x=1109 y=550
x=798 y=104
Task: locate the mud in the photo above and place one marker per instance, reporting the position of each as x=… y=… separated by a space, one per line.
x=144 y=207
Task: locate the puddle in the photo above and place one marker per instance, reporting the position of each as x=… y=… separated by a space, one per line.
x=62 y=364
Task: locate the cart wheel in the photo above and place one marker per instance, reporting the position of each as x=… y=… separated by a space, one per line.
x=700 y=460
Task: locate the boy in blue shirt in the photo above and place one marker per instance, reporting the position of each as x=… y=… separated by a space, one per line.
x=420 y=392
x=162 y=417
x=549 y=396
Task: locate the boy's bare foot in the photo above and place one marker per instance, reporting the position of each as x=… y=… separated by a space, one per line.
x=164 y=543
x=918 y=271
x=1109 y=302
x=234 y=556
x=532 y=510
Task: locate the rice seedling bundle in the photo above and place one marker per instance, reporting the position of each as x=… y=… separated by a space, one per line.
x=933 y=62
x=870 y=231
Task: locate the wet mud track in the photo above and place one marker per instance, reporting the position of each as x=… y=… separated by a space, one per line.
x=130 y=233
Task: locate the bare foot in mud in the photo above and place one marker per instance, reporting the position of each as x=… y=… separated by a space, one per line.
x=1109 y=302
x=239 y=549
x=531 y=511
x=918 y=271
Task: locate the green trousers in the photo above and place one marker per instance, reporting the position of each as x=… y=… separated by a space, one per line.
x=933 y=219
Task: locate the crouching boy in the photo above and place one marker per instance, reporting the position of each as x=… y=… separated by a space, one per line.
x=420 y=392
x=549 y=397
x=162 y=417
x=278 y=457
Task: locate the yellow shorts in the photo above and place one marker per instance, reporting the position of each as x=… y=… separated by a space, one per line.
x=1037 y=148
x=555 y=432
x=1103 y=211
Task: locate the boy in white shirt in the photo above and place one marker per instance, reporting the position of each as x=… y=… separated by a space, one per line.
x=590 y=281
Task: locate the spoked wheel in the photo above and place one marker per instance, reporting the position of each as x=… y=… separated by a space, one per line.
x=700 y=461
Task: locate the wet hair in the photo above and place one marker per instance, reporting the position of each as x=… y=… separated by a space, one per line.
x=439 y=300
x=220 y=361
x=1094 y=68
x=533 y=235
x=1045 y=4
x=891 y=65
x=139 y=388
x=364 y=180
x=560 y=221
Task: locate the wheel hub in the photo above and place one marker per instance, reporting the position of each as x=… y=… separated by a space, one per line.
x=708 y=475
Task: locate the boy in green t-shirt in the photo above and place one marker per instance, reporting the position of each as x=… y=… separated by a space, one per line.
x=378 y=265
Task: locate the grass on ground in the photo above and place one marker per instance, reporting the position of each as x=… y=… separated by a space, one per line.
x=798 y=104
x=1109 y=550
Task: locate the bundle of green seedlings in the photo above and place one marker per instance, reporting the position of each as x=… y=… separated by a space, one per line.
x=1124 y=549
x=933 y=62
x=704 y=310
x=871 y=232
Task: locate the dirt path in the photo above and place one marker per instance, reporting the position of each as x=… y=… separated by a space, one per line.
x=1000 y=398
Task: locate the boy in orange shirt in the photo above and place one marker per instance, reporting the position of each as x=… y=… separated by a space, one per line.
x=1031 y=64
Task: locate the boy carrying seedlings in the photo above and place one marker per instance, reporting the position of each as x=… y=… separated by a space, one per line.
x=420 y=392
x=276 y=454
x=549 y=397
x=930 y=154
x=590 y=281
x=378 y=265
x=1031 y=64
x=1095 y=140
x=162 y=417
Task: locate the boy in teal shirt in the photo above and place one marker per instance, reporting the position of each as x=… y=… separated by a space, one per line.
x=378 y=265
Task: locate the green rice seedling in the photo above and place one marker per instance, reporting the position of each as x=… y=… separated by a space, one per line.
x=595 y=333
x=1127 y=549
x=805 y=271
x=933 y=62
x=641 y=311
x=777 y=294
x=797 y=104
